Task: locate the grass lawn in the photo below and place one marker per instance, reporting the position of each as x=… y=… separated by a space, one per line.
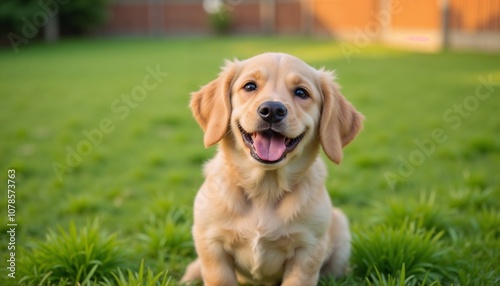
x=105 y=180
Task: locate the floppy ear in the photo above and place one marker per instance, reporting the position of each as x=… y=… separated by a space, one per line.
x=340 y=121
x=211 y=105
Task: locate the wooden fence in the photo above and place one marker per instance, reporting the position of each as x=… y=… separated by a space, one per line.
x=426 y=24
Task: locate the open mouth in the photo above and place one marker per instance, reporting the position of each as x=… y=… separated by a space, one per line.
x=268 y=146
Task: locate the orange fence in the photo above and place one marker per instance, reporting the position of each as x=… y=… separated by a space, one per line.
x=474 y=16
x=439 y=21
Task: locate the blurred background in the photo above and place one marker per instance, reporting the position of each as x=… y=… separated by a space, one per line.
x=425 y=24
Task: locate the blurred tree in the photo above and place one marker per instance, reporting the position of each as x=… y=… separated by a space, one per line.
x=79 y=17
x=220 y=15
x=23 y=20
x=221 y=21
x=12 y=13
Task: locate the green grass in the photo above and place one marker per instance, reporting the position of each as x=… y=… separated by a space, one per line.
x=146 y=279
x=86 y=256
x=419 y=184
x=384 y=249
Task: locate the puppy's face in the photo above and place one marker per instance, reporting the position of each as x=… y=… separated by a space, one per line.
x=276 y=107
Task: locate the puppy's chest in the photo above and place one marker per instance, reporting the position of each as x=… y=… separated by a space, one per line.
x=261 y=242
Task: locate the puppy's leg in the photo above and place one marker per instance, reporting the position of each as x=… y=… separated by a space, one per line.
x=337 y=263
x=216 y=264
x=193 y=272
x=304 y=267
x=217 y=270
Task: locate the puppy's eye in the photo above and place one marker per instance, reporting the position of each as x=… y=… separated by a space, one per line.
x=250 y=87
x=301 y=92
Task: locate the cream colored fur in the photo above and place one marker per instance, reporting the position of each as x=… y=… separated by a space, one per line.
x=270 y=224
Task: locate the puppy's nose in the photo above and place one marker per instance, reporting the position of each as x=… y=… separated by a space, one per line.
x=272 y=111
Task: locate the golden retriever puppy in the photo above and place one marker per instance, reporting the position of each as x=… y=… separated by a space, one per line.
x=263 y=215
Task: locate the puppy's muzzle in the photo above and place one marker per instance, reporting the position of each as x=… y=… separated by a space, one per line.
x=272 y=111
x=268 y=144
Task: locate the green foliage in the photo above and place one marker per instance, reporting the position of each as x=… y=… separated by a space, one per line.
x=470 y=198
x=424 y=212
x=142 y=279
x=12 y=13
x=26 y=17
x=379 y=279
x=221 y=21
x=488 y=222
x=82 y=16
x=168 y=236
x=86 y=255
x=167 y=240
x=407 y=252
x=45 y=282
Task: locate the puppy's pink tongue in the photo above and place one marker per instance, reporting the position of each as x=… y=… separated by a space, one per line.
x=270 y=146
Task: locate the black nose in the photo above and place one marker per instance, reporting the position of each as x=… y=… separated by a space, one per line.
x=272 y=111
